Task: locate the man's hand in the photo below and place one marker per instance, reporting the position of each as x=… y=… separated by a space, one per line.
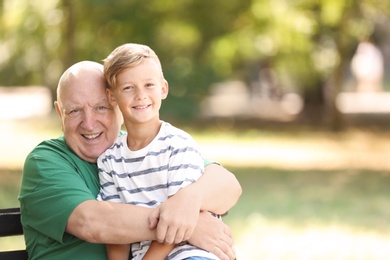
x=154 y=217
x=212 y=235
x=175 y=218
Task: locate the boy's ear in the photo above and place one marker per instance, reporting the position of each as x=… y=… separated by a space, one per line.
x=164 y=89
x=110 y=96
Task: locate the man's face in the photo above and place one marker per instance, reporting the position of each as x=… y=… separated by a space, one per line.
x=89 y=123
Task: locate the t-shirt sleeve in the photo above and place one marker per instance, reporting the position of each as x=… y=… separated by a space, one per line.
x=208 y=162
x=53 y=185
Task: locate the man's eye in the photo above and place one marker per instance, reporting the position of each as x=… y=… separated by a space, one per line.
x=74 y=112
x=149 y=85
x=102 y=108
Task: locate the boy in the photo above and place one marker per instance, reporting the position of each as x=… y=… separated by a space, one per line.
x=154 y=159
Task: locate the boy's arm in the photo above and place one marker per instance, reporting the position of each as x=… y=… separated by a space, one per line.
x=158 y=251
x=118 y=252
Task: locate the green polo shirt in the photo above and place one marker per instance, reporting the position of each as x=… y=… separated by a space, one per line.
x=54 y=182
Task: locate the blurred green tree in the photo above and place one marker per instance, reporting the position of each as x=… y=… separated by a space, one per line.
x=308 y=43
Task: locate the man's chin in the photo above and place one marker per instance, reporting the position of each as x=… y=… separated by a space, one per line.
x=92 y=153
x=92 y=158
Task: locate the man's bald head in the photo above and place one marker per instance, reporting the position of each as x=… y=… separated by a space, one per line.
x=78 y=70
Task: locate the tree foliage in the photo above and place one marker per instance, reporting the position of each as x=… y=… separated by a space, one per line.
x=306 y=42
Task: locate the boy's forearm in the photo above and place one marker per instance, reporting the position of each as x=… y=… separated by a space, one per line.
x=118 y=252
x=158 y=251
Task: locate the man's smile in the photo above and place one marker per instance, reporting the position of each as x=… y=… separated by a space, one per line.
x=91 y=136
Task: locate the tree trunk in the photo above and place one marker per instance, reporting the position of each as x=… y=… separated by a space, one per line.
x=69 y=53
x=336 y=118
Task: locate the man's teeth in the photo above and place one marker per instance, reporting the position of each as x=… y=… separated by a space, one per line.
x=91 y=136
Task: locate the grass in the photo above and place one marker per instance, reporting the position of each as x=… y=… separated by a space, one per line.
x=355 y=199
x=312 y=214
x=307 y=193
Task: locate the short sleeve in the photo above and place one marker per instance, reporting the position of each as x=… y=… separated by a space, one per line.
x=208 y=162
x=54 y=183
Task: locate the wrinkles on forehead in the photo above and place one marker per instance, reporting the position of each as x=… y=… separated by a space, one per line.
x=70 y=105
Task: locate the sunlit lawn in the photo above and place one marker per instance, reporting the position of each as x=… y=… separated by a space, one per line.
x=312 y=214
x=307 y=194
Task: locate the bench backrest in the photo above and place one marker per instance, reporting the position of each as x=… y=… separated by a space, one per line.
x=10 y=225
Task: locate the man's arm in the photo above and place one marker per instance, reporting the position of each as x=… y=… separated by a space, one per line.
x=218 y=188
x=212 y=235
x=115 y=223
x=110 y=223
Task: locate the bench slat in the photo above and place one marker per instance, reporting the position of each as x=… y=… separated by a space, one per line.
x=10 y=224
x=14 y=255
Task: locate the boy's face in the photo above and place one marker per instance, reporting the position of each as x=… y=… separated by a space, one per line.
x=139 y=92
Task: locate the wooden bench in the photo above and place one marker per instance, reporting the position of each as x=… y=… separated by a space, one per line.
x=10 y=225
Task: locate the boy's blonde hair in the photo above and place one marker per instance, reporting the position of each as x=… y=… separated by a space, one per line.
x=124 y=57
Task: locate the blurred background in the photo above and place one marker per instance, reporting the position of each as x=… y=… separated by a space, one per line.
x=293 y=97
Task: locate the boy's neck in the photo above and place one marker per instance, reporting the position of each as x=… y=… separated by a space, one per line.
x=141 y=135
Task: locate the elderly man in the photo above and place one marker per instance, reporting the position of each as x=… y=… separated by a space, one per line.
x=60 y=216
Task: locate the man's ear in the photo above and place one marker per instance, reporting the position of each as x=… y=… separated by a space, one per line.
x=164 y=89
x=59 y=112
x=58 y=109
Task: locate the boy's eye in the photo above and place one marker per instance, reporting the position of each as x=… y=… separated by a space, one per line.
x=128 y=88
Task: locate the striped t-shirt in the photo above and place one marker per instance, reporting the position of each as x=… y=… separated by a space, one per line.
x=148 y=176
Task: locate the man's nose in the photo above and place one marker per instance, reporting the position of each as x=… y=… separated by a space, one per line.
x=89 y=119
